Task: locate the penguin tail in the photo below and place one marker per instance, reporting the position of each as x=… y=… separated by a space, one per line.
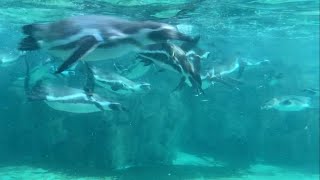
x=28 y=43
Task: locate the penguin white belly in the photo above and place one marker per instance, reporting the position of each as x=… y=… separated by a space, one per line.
x=73 y=107
x=291 y=108
x=232 y=69
x=98 y=54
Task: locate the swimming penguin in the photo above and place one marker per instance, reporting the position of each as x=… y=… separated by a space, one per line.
x=288 y=103
x=118 y=84
x=68 y=99
x=311 y=91
x=172 y=57
x=245 y=63
x=95 y=37
x=218 y=74
x=232 y=64
x=218 y=71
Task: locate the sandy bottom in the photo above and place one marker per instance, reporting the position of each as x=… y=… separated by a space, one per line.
x=256 y=172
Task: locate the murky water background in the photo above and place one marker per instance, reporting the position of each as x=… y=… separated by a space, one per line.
x=225 y=135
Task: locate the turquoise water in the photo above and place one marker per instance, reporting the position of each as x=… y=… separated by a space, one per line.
x=226 y=133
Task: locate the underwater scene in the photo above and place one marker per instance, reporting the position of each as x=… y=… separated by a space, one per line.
x=159 y=89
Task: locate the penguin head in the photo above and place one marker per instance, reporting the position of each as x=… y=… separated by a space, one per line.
x=166 y=32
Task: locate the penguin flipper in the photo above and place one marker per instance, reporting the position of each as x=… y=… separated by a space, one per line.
x=90 y=80
x=89 y=43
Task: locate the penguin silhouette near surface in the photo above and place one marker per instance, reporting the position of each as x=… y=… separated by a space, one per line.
x=95 y=37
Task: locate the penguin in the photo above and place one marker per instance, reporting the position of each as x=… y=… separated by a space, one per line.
x=118 y=84
x=311 y=91
x=232 y=64
x=67 y=99
x=219 y=70
x=95 y=37
x=288 y=103
x=171 y=57
x=225 y=66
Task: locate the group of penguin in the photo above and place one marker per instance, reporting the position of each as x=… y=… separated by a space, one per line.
x=96 y=38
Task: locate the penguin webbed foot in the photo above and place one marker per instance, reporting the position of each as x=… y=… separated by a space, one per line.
x=199 y=91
